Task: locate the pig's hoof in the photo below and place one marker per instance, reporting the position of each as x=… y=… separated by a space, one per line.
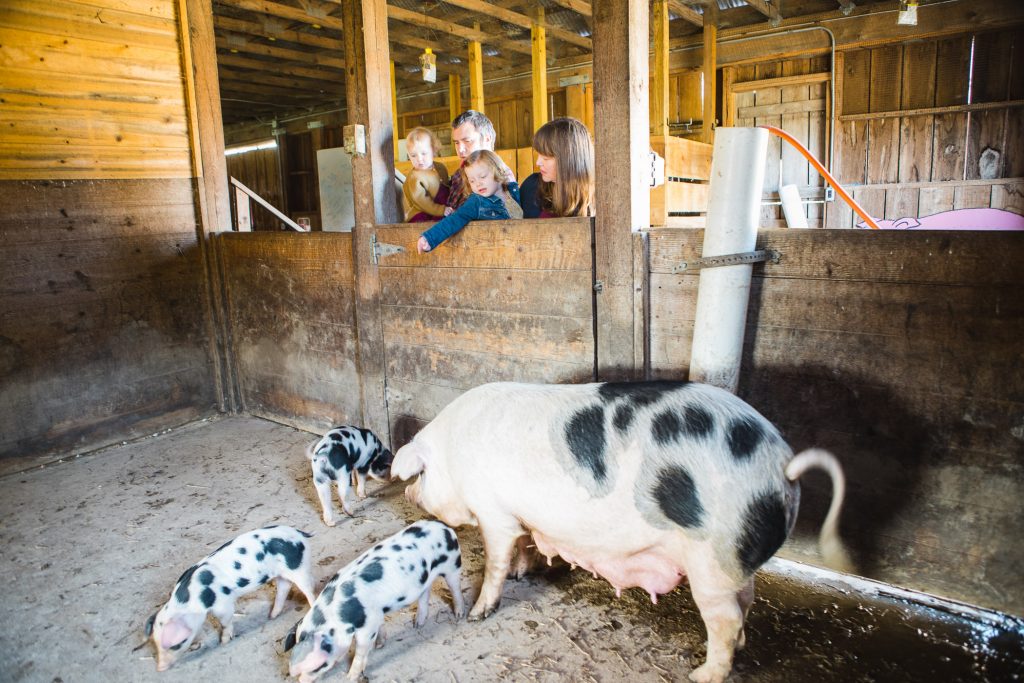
x=705 y=673
x=329 y=522
x=479 y=613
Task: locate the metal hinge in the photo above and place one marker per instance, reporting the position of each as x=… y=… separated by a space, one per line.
x=379 y=249
x=729 y=260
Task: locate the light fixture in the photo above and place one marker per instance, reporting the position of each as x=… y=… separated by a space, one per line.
x=908 y=13
x=428 y=63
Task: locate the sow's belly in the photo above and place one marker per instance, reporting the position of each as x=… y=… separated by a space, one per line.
x=649 y=568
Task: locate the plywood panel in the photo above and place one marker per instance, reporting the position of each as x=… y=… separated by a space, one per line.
x=952 y=71
x=884 y=150
x=985 y=133
x=856 y=82
x=950 y=146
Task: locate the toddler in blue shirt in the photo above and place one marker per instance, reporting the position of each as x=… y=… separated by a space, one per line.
x=493 y=199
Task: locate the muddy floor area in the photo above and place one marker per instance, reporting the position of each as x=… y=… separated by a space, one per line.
x=92 y=546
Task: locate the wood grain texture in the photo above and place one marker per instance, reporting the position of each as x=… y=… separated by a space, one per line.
x=92 y=90
x=291 y=311
x=101 y=327
x=899 y=352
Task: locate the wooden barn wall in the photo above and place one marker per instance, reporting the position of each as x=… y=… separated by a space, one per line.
x=259 y=170
x=508 y=301
x=931 y=126
x=901 y=353
x=291 y=316
x=102 y=328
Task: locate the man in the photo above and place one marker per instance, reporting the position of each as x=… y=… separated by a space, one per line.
x=471 y=130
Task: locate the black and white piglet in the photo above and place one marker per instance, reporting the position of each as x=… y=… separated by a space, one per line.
x=342 y=455
x=394 y=573
x=212 y=585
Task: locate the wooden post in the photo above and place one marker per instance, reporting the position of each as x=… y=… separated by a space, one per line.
x=454 y=96
x=394 y=111
x=708 y=67
x=367 y=93
x=476 y=77
x=622 y=137
x=206 y=135
x=540 y=71
x=659 y=79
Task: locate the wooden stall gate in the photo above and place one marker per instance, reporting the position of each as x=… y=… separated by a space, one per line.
x=500 y=301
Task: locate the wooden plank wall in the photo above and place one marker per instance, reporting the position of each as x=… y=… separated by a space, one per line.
x=92 y=89
x=259 y=171
x=801 y=109
x=901 y=353
x=914 y=122
x=291 y=314
x=500 y=301
x=102 y=333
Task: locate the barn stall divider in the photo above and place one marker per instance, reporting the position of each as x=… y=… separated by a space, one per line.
x=899 y=351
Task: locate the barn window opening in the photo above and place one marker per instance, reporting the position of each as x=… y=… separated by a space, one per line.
x=242 y=149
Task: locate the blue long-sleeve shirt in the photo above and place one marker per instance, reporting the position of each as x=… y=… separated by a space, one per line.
x=475 y=208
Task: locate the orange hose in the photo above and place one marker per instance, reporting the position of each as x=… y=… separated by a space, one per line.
x=825 y=174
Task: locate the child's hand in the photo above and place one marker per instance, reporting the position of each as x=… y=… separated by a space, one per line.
x=422 y=246
x=448 y=211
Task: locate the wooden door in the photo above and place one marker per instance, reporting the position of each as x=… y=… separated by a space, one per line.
x=798 y=103
x=500 y=301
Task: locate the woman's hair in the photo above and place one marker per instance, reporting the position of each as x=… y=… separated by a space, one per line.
x=490 y=159
x=568 y=142
x=420 y=133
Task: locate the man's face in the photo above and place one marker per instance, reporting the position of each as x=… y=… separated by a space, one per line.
x=467 y=139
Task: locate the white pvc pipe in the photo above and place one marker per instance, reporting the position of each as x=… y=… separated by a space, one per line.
x=734 y=207
x=792 y=207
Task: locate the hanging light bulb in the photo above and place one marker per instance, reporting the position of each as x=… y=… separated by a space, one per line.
x=428 y=62
x=908 y=13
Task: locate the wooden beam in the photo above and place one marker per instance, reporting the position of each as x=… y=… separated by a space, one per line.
x=686 y=13
x=278 y=67
x=622 y=143
x=517 y=19
x=540 y=71
x=285 y=12
x=454 y=96
x=238 y=43
x=367 y=93
x=476 y=77
x=578 y=6
x=270 y=29
x=769 y=9
x=394 y=111
x=447 y=49
x=659 y=78
x=464 y=32
x=708 y=68
x=206 y=135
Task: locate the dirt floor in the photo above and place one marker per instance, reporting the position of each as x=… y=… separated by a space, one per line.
x=92 y=546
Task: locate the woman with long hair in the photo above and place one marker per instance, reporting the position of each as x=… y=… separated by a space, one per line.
x=564 y=185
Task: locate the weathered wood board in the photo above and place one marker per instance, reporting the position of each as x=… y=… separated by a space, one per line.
x=290 y=310
x=901 y=353
x=102 y=333
x=499 y=301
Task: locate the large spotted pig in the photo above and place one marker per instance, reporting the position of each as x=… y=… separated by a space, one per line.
x=394 y=573
x=344 y=454
x=212 y=585
x=641 y=483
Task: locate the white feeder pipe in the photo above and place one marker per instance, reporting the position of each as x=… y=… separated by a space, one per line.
x=734 y=207
x=792 y=206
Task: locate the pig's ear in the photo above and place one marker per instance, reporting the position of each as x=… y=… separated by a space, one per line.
x=409 y=461
x=149 y=624
x=289 y=640
x=175 y=632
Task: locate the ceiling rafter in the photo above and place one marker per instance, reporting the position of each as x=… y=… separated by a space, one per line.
x=769 y=9
x=517 y=19
x=464 y=32
x=686 y=13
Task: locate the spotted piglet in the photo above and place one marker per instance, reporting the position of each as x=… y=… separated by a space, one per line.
x=212 y=585
x=394 y=573
x=342 y=455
